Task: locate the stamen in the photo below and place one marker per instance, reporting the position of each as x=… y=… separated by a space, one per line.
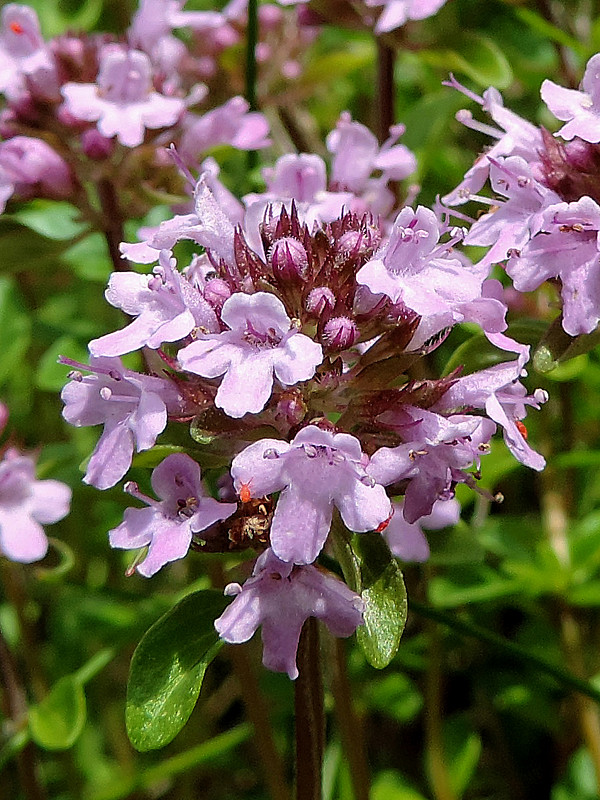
x=133 y=489
x=68 y=362
x=183 y=169
x=465 y=117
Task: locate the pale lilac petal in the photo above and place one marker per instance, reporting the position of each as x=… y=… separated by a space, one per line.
x=246 y=387
x=135 y=531
x=176 y=476
x=22 y=539
x=363 y=507
x=240 y=620
x=260 y=466
x=169 y=544
x=405 y=539
x=112 y=457
x=513 y=437
x=148 y=420
x=298 y=360
x=209 y=357
x=50 y=501
x=302 y=521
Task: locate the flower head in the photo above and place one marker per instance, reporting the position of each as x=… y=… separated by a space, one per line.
x=166 y=527
x=280 y=596
x=261 y=343
x=315 y=472
x=25 y=505
x=122 y=102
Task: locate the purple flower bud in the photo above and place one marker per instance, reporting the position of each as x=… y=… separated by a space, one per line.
x=581 y=155
x=216 y=292
x=319 y=299
x=340 y=333
x=289 y=259
x=269 y=17
x=291 y=407
x=96 y=146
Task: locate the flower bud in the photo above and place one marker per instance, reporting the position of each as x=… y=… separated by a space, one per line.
x=319 y=299
x=340 y=333
x=581 y=155
x=216 y=292
x=96 y=146
x=269 y=17
x=291 y=407
x=289 y=260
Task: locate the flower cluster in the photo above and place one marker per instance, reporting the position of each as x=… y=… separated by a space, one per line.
x=288 y=340
x=544 y=223
x=89 y=114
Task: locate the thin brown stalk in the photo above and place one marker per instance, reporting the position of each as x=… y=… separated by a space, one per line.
x=310 y=720
x=15 y=701
x=350 y=724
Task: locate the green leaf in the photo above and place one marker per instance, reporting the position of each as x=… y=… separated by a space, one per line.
x=547 y=30
x=463 y=750
x=475 y=354
x=57 y=721
x=152 y=458
x=477 y=586
x=15 y=327
x=475 y=56
x=168 y=667
x=52 y=220
x=23 y=248
x=391 y=785
x=395 y=695
x=50 y=375
x=371 y=570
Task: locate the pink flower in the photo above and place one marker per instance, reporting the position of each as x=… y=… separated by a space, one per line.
x=25 y=505
x=122 y=102
x=166 y=527
x=280 y=597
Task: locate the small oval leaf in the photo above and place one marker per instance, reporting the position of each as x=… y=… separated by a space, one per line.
x=167 y=669
x=384 y=593
x=57 y=721
x=372 y=571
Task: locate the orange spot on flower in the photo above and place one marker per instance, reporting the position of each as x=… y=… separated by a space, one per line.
x=16 y=28
x=383 y=525
x=522 y=429
x=245 y=493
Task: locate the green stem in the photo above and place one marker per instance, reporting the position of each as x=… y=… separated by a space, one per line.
x=16 y=707
x=310 y=720
x=454 y=622
x=438 y=768
x=258 y=715
x=350 y=725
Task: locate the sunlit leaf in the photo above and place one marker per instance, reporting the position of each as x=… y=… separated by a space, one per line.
x=371 y=570
x=168 y=667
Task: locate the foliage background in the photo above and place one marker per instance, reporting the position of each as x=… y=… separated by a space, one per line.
x=464 y=710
